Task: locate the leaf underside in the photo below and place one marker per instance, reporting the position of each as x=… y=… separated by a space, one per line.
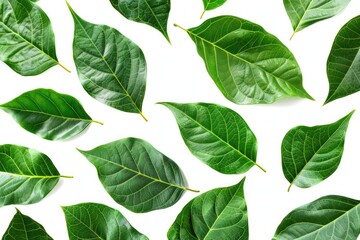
x=90 y=221
x=248 y=64
x=343 y=64
x=216 y=135
x=217 y=214
x=329 y=217
x=150 y=12
x=48 y=114
x=136 y=175
x=111 y=68
x=24 y=227
x=312 y=154
x=26 y=175
x=27 y=43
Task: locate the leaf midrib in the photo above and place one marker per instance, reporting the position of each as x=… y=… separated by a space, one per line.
x=157 y=20
x=107 y=64
x=301 y=19
x=30 y=176
x=136 y=172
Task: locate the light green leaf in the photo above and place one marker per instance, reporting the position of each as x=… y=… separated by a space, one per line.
x=303 y=13
x=153 y=13
x=217 y=136
x=49 y=114
x=217 y=214
x=248 y=64
x=136 y=175
x=89 y=221
x=312 y=154
x=111 y=68
x=327 y=218
x=211 y=4
x=23 y=227
x=27 y=42
x=343 y=64
x=26 y=175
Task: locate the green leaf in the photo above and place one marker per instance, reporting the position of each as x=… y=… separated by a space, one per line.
x=90 y=221
x=217 y=214
x=150 y=12
x=49 y=114
x=26 y=175
x=211 y=4
x=343 y=64
x=23 y=227
x=248 y=64
x=27 y=42
x=303 y=13
x=136 y=175
x=329 y=217
x=111 y=68
x=217 y=136
x=312 y=154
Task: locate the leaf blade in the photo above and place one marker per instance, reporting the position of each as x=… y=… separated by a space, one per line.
x=131 y=168
x=93 y=220
x=312 y=154
x=211 y=4
x=111 y=68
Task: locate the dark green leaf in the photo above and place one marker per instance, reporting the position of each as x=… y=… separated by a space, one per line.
x=217 y=136
x=111 y=68
x=303 y=13
x=49 y=114
x=248 y=64
x=23 y=227
x=27 y=43
x=217 y=214
x=211 y=4
x=312 y=154
x=343 y=65
x=327 y=218
x=136 y=175
x=154 y=13
x=89 y=221
x=26 y=175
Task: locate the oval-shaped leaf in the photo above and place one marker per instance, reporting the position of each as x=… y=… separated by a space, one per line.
x=248 y=64
x=26 y=175
x=111 y=68
x=27 y=42
x=150 y=12
x=329 y=217
x=343 y=64
x=136 y=175
x=49 y=114
x=90 y=221
x=24 y=227
x=211 y=4
x=303 y=13
x=217 y=214
x=217 y=136
x=312 y=154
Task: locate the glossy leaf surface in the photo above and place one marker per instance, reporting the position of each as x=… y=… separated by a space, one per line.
x=27 y=42
x=90 y=221
x=151 y=12
x=111 y=68
x=48 y=114
x=343 y=64
x=248 y=64
x=23 y=227
x=312 y=154
x=217 y=136
x=136 y=175
x=217 y=214
x=329 y=217
x=26 y=175
x=211 y=4
x=303 y=13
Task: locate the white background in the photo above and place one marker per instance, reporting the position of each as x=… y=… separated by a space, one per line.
x=176 y=73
